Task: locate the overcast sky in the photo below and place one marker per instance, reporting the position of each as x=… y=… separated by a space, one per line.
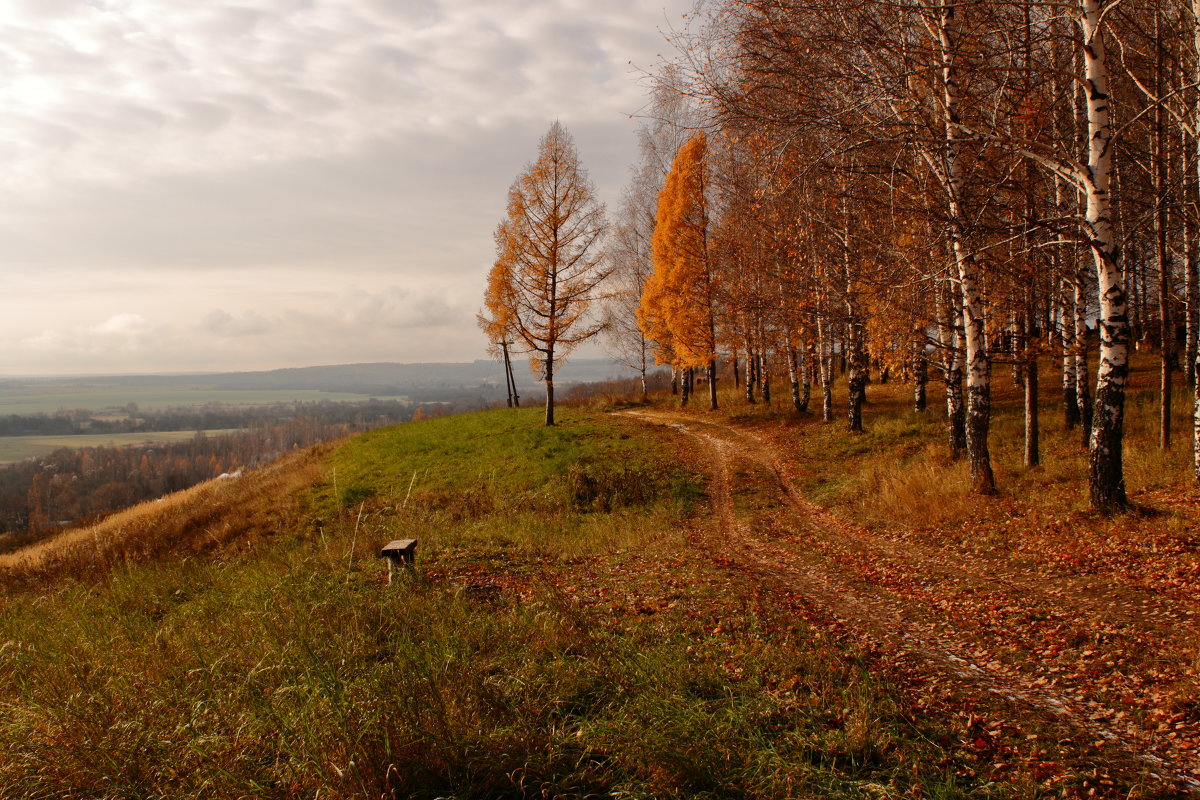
x=251 y=184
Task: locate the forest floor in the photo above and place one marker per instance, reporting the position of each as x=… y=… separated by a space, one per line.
x=1063 y=646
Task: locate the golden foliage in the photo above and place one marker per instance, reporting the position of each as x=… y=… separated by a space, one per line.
x=548 y=264
x=677 y=311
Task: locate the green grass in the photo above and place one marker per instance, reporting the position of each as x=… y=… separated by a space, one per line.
x=511 y=458
x=560 y=636
x=24 y=403
x=19 y=448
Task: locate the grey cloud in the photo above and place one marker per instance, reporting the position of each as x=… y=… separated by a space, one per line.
x=219 y=322
x=354 y=312
x=417 y=13
x=304 y=79
x=45 y=9
x=295 y=147
x=121 y=333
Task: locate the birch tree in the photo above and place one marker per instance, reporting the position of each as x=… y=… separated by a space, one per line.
x=1106 y=479
x=630 y=255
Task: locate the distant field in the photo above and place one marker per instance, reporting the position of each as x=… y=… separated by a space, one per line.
x=25 y=402
x=19 y=448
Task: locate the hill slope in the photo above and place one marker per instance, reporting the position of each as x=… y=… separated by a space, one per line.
x=578 y=623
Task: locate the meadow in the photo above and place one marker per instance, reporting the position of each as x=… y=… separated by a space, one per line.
x=19 y=448
x=27 y=401
x=564 y=633
x=583 y=619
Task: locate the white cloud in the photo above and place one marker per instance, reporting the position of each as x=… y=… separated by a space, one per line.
x=122 y=325
x=122 y=333
x=358 y=313
x=258 y=183
x=144 y=87
x=219 y=322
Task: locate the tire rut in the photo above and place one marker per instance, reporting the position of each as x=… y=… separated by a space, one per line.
x=817 y=556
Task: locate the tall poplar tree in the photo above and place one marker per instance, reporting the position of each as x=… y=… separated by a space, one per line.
x=549 y=246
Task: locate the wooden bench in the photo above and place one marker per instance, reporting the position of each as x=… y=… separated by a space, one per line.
x=398 y=551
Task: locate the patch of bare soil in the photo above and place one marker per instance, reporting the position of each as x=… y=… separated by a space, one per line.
x=1090 y=662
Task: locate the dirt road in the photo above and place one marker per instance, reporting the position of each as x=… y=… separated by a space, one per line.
x=1091 y=662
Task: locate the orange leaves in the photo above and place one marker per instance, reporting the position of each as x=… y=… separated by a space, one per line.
x=677 y=304
x=548 y=263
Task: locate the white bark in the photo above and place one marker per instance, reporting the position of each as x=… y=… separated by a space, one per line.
x=825 y=367
x=979 y=366
x=1066 y=324
x=1105 y=471
x=1192 y=310
x=951 y=341
x=1083 y=390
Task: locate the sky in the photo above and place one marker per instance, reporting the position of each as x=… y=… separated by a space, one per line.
x=255 y=184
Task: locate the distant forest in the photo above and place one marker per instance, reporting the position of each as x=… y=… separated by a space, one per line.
x=74 y=486
x=201 y=418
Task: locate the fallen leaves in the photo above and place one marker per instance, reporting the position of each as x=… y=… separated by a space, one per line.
x=1070 y=617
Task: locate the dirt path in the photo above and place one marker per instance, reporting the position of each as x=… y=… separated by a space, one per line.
x=1075 y=652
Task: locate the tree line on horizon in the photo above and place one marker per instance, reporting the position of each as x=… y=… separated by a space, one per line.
x=77 y=485
x=931 y=188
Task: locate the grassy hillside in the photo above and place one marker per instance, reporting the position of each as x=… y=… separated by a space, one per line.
x=564 y=633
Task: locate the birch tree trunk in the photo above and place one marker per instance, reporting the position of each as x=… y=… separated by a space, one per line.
x=979 y=367
x=856 y=378
x=920 y=369
x=805 y=373
x=751 y=371
x=764 y=376
x=825 y=367
x=1066 y=315
x=1083 y=390
x=1196 y=422
x=1166 y=338
x=1192 y=308
x=1106 y=479
x=1032 y=447
x=950 y=332
x=1067 y=335
x=1190 y=298
x=855 y=348
x=793 y=363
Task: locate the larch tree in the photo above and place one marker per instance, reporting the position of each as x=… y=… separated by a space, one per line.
x=680 y=296
x=496 y=321
x=549 y=244
x=670 y=118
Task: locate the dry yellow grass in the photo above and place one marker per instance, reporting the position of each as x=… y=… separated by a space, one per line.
x=192 y=521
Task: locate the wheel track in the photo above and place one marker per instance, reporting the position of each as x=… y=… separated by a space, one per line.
x=893 y=622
